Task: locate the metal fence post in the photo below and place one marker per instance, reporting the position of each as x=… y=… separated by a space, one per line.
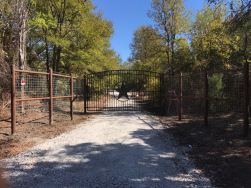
x=72 y=97
x=51 y=98
x=246 y=99
x=85 y=93
x=206 y=98
x=180 y=96
x=13 y=100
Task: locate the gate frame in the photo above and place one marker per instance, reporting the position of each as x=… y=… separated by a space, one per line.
x=159 y=76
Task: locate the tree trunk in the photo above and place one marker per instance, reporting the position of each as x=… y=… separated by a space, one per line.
x=22 y=18
x=54 y=57
x=172 y=53
x=47 y=54
x=58 y=58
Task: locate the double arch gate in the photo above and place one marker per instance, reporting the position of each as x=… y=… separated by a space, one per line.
x=123 y=90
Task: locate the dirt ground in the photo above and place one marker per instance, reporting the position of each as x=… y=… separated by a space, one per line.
x=222 y=153
x=28 y=135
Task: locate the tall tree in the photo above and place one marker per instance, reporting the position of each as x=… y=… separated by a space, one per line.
x=172 y=21
x=70 y=36
x=14 y=15
x=239 y=23
x=147 y=49
x=22 y=11
x=211 y=43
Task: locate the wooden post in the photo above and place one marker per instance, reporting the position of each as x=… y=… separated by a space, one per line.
x=180 y=96
x=206 y=98
x=85 y=93
x=246 y=99
x=72 y=97
x=51 y=99
x=13 y=100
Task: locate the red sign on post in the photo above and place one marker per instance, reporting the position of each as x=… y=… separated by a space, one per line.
x=22 y=82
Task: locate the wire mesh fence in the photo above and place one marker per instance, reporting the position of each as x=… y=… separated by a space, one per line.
x=192 y=94
x=5 y=101
x=215 y=97
x=44 y=98
x=218 y=98
x=226 y=93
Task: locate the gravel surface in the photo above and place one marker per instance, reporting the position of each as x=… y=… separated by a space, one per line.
x=116 y=149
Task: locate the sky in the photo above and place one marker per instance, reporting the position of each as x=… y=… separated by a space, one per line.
x=127 y=16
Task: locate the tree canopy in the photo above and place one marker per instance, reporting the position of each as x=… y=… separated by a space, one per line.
x=217 y=38
x=63 y=35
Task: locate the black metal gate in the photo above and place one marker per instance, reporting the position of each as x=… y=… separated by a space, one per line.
x=123 y=90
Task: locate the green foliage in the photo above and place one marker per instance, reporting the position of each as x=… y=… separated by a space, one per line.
x=147 y=49
x=172 y=21
x=68 y=36
x=215 y=86
x=212 y=45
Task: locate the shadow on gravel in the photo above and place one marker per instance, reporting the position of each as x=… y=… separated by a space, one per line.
x=109 y=165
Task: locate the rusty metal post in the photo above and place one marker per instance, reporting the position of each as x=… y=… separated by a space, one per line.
x=13 y=100
x=246 y=99
x=72 y=97
x=206 y=98
x=51 y=98
x=180 y=96
x=85 y=93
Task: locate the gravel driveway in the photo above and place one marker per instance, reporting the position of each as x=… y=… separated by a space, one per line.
x=116 y=149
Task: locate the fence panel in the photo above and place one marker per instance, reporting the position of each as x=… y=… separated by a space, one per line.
x=216 y=97
x=37 y=97
x=193 y=95
x=226 y=93
x=171 y=92
x=31 y=87
x=5 y=101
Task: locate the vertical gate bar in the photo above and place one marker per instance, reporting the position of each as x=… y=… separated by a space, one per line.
x=117 y=77
x=206 y=98
x=152 y=77
x=126 y=78
x=13 y=100
x=161 y=90
x=72 y=97
x=246 y=99
x=101 y=90
x=135 y=90
x=98 y=86
x=123 y=80
x=108 y=91
x=51 y=98
x=85 y=93
x=142 y=79
x=96 y=92
x=180 y=96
